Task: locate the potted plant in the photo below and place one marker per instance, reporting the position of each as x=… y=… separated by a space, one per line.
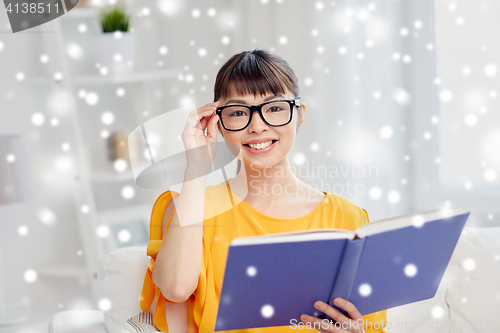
x=117 y=42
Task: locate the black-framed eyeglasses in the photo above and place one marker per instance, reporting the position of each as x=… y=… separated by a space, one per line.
x=273 y=113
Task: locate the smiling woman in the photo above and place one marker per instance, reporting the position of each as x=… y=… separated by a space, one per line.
x=258 y=109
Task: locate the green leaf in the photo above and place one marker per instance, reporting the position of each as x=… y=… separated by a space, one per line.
x=114 y=19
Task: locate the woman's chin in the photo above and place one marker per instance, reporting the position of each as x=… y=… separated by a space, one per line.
x=258 y=165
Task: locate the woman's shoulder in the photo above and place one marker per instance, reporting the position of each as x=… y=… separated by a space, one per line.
x=216 y=191
x=210 y=191
x=218 y=200
x=215 y=197
x=340 y=201
x=346 y=210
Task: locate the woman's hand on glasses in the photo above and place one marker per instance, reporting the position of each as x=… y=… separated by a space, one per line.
x=200 y=147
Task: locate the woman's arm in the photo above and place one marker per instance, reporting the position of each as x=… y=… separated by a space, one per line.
x=178 y=262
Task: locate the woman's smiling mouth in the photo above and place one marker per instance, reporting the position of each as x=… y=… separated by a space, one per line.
x=260 y=147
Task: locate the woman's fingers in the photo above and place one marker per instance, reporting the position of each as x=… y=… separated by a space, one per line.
x=208 y=120
x=212 y=128
x=317 y=323
x=331 y=311
x=205 y=115
x=204 y=121
x=351 y=309
x=204 y=112
x=196 y=119
x=344 y=323
x=209 y=107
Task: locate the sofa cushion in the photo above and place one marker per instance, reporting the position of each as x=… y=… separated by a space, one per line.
x=473 y=293
x=120 y=277
x=468 y=297
x=78 y=321
x=430 y=315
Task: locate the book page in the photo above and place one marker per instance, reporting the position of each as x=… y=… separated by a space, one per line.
x=295 y=236
x=416 y=220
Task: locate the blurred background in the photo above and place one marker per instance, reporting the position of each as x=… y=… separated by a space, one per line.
x=402 y=113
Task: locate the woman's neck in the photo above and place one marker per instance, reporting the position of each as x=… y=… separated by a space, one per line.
x=269 y=184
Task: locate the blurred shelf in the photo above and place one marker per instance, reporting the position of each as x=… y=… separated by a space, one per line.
x=111 y=176
x=90 y=176
x=142 y=76
x=62 y=270
x=38 y=322
x=95 y=176
x=82 y=12
x=118 y=215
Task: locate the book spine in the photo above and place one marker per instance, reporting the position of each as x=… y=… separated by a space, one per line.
x=345 y=276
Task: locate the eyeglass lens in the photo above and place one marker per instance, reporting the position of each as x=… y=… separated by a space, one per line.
x=237 y=117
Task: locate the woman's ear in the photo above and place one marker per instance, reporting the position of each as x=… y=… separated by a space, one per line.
x=301 y=115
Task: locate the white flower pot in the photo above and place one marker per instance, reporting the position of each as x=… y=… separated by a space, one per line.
x=117 y=51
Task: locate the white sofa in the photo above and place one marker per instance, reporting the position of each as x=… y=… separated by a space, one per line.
x=468 y=298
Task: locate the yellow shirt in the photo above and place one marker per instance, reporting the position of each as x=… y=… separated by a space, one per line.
x=239 y=219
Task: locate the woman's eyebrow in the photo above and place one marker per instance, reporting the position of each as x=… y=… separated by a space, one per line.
x=243 y=102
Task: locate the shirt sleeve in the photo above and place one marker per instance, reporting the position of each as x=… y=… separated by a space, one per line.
x=149 y=290
x=366 y=219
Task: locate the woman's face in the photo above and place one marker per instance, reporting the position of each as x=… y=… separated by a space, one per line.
x=282 y=137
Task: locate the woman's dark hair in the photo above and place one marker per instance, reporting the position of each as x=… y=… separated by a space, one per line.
x=256 y=72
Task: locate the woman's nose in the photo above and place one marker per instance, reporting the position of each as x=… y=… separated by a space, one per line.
x=257 y=124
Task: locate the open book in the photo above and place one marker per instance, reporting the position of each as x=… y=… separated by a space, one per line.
x=270 y=280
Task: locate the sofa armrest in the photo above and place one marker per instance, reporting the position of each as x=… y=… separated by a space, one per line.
x=78 y=321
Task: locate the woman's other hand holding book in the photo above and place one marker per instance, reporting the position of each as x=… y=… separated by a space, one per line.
x=352 y=324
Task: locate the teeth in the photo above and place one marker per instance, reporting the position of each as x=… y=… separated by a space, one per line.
x=260 y=145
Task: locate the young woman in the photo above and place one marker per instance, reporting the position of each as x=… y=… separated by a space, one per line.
x=264 y=197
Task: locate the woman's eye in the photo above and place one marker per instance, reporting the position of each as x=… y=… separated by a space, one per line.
x=238 y=113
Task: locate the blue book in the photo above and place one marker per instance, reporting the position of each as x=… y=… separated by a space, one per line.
x=271 y=280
